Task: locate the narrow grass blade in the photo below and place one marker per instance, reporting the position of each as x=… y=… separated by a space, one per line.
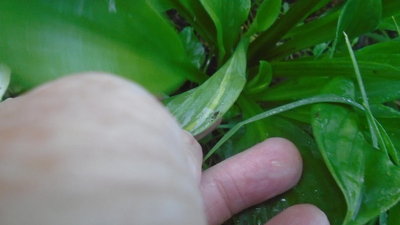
x=379 y=139
x=397 y=26
x=284 y=108
x=371 y=121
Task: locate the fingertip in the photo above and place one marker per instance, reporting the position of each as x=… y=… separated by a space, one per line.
x=281 y=162
x=264 y=171
x=303 y=214
x=286 y=162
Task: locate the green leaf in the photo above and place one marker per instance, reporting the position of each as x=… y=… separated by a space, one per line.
x=382 y=90
x=390 y=23
x=194 y=48
x=342 y=151
x=316 y=186
x=293 y=89
x=228 y=17
x=334 y=67
x=196 y=15
x=366 y=176
x=201 y=107
x=54 y=39
x=261 y=81
x=304 y=36
x=267 y=13
x=358 y=17
x=4 y=79
x=296 y=14
x=383 y=111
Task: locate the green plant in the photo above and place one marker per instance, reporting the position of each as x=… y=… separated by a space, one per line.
x=265 y=67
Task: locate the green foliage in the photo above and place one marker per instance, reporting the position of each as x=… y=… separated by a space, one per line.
x=264 y=67
x=267 y=13
x=201 y=107
x=358 y=17
x=364 y=174
x=227 y=16
x=194 y=49
x=51 y=40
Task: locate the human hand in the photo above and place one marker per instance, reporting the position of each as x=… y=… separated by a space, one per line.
x=95 y=149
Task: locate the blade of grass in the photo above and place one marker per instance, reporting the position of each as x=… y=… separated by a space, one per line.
x=397 y=25
x=377 y=137
x=372 y=125
x=284 y=108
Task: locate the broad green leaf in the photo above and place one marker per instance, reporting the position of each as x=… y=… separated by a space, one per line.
x=304 y=36
x=4 y=80
x=358 y=17
x=194 y=48
x=379 y=90
x=267 y=13
x=316 y=186
x=334 y=67
x=366 y=176
x=389 y=47
x=384 y=52
x=54 y=39
x=382 y=90
x=393 y=218
x=293 y=89
x=343 y=145
x=201 y=107
x=228 y=17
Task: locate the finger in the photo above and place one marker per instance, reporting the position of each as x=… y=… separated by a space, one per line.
x=93 y=149
x=248 y=178
x=300 y=215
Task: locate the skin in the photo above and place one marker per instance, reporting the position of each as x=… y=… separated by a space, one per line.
x=84 y=150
